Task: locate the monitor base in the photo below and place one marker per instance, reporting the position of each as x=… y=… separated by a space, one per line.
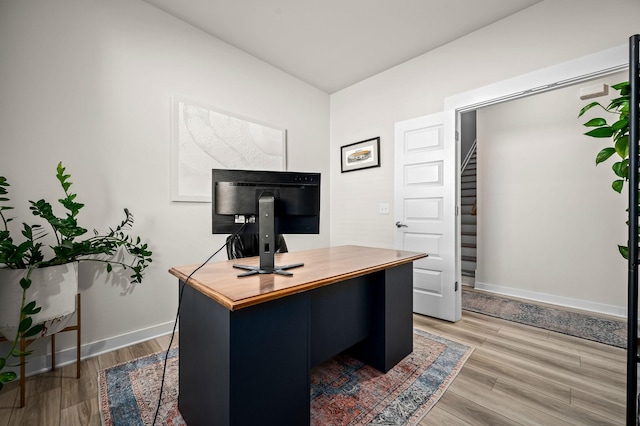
x=280 y=270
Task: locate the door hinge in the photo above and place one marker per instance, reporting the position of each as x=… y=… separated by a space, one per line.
x=456 y=286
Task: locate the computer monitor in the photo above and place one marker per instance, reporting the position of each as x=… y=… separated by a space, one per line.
x=267 y=203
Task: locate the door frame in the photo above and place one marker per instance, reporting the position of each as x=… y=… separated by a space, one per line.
x=587 y=67
x=599 y=64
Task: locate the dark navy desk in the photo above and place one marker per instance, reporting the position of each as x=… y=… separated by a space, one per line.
x=247 y=344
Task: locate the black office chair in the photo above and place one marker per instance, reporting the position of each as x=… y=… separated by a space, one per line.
x=246 y=245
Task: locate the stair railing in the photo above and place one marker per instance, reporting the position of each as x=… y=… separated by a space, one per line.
x=472 y=151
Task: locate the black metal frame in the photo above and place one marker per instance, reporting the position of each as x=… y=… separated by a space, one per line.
x=632 y=303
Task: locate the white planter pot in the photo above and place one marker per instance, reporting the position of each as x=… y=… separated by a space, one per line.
x=54 y=289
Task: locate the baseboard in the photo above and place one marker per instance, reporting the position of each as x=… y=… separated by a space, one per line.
x=585 y=305
x=40 y=363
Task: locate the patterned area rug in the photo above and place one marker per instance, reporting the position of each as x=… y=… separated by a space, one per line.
x=599 y=329
x=344 y=391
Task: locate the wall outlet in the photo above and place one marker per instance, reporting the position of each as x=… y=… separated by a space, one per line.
x=384 y=208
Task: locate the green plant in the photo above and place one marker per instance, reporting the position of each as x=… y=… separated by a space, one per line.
x=618 y=132
x=70 y=244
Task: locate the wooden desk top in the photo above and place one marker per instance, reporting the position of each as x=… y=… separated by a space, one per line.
x=322 y=267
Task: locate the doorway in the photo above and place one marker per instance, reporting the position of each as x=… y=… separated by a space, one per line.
x=510 y=219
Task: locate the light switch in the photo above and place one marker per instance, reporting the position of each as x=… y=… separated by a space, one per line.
x=384 y=208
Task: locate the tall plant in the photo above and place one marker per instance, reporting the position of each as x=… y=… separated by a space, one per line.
x=616 y=129
x=71 y=243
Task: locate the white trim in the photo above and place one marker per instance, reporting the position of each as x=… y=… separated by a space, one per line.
x=585 y=305
x=585 y=68
x=41 y=363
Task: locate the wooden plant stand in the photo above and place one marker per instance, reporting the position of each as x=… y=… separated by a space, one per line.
x=26 y=342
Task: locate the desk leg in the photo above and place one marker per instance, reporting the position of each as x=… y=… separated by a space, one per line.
x=244 y=367
x=391 y=336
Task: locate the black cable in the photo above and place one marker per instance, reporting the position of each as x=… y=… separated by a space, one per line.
x=175 y=323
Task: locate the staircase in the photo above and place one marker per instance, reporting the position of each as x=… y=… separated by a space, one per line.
x=468 y=220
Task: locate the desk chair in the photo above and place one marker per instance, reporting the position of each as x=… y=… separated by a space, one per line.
x=246 y=245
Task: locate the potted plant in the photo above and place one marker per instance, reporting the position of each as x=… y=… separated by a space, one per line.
x=32 y=266
x=617 y=129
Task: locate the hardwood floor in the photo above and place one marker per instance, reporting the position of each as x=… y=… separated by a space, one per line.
x=523 y=375
x=517 y=375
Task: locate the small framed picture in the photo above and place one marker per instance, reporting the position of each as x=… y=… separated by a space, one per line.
x=360 y=155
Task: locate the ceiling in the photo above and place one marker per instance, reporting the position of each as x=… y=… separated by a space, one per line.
x=332 y=44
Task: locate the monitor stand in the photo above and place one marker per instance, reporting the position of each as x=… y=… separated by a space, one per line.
x=267 y=242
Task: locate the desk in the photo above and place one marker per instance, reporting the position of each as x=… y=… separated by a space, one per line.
x=247 y=344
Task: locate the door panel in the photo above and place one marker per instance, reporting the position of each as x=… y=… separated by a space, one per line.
x=426 y=170
x=428 y=281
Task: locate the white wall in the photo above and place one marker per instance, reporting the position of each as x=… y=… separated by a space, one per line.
x=89 y=83
x=545 y=34
x=548 y=221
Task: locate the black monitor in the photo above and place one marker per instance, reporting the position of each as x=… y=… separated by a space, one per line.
x=267 y=203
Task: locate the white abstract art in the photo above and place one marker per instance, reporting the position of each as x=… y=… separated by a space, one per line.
x=206 y=139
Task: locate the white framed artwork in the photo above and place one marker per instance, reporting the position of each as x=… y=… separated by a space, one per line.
x=206 y=138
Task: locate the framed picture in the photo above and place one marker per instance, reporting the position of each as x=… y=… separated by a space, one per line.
x=206 y=138
x=360 y=155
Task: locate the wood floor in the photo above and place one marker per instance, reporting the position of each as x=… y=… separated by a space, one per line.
x=517 y=375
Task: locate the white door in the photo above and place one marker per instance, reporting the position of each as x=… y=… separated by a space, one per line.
x=426 y=196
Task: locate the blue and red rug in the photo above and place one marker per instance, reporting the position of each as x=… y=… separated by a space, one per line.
x=344 y=391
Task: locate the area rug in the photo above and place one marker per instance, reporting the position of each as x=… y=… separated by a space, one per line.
x=597 y=328
x=343 y=391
